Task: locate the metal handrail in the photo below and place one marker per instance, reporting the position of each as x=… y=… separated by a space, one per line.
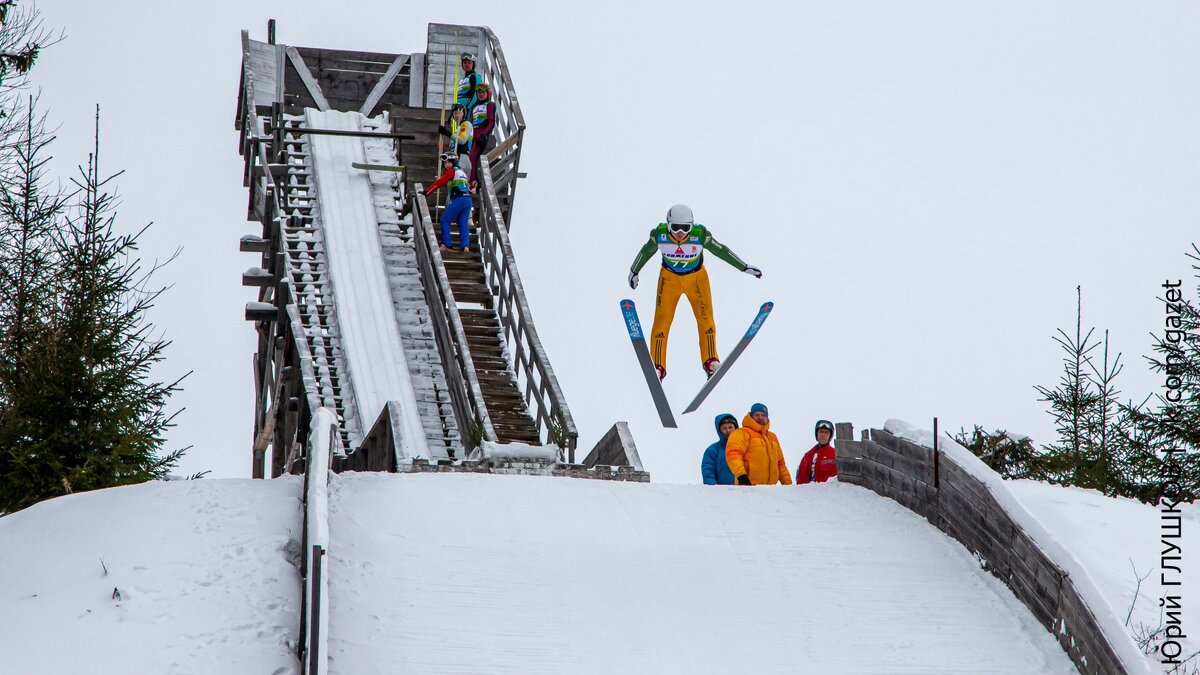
x=535 y=376
x=466 y=395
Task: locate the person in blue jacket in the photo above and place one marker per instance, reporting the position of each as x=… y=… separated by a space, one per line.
x=714 y=468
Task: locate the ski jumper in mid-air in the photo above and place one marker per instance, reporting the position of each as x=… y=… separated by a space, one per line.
x=682 y=242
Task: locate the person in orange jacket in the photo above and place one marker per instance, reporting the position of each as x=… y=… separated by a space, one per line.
x=753 y=451
x=820 y=463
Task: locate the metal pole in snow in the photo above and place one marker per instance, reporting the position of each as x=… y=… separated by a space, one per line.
x=935 y=454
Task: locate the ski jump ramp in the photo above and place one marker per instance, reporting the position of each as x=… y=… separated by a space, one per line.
x=377 y=354
x=420 y=358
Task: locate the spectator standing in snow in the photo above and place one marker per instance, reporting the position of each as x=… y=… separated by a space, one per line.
x=714 y=468
x=820 y=463
x=483 y=121
x=753 y=451
x=460 y=132
x=459 y=206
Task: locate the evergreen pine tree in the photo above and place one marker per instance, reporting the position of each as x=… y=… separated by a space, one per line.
x=1175 y=421
x=1011 y=457
x=112 y=413
x=87 y=414
x=29 y=216
x=22 y=38
x=1074 y=458
x=1102 y=444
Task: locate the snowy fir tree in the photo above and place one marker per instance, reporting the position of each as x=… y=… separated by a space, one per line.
x=1103 y=444
x=29 y=217
x=1075 y=458
x=1174 y=423
x=88 y=414
x=22 y=37
x=1010 y=456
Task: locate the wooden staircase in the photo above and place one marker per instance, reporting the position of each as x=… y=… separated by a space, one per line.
x=419 y=154
x=506 y=407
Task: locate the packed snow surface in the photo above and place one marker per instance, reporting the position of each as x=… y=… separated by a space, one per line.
x=200 y=579
x=464 y=573
x=1112 y=537
x=515 y=450
x=1059 y=544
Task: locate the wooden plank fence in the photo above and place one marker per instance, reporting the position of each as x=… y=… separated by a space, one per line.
x=936 y=487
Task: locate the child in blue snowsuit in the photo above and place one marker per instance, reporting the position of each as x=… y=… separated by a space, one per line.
x=459 y=207
x=713 y=467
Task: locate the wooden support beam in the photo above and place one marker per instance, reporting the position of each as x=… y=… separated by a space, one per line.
x=340 y=132
x=261 y=311
x=383 y=85
x=416 y=81
x=306 y=76
x=251 y=243
x=256 y=276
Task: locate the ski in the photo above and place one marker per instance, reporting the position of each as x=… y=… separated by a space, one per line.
x=376 y=167
x=763 y=313
x=634 y=326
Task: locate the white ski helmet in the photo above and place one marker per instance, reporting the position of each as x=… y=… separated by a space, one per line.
x=680 y=213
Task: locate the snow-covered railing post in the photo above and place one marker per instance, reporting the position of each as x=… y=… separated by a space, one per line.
x=314 y=623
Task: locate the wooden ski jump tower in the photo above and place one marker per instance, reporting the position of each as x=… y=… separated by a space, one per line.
x=478 y=369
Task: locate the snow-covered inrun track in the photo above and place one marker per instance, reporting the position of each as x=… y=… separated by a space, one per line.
x=366 y=319
x=515 y=574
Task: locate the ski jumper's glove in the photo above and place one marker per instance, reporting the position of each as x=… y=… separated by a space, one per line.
x=633 y=280
x=743 y=479
x=753 y=271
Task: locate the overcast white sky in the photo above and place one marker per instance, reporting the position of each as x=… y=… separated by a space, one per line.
x=923 y=185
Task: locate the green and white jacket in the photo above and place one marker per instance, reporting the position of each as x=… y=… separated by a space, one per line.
x=686 y=256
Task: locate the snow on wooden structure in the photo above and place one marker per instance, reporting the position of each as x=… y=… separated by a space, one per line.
x=964 y=498
x=477 y=369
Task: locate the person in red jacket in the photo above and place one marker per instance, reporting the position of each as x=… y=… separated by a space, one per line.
x=819 y=464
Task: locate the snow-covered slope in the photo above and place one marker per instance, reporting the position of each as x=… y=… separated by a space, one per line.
x=510 y=574
x=1111 y=538
x=199 y=579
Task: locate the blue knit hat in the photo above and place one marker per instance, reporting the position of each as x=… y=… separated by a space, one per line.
x=758 y=407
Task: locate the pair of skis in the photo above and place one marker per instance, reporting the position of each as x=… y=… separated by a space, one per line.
x=634 y=326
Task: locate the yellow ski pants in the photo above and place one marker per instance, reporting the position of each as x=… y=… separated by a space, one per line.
x=670 y=287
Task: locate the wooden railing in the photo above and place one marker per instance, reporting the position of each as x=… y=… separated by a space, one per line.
x=312 y=647
x=383 y=447
x=466 y=394
x=505 y=151
x=615 y=448
x=283 y=364
x=973 y=507
x=535 y=378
